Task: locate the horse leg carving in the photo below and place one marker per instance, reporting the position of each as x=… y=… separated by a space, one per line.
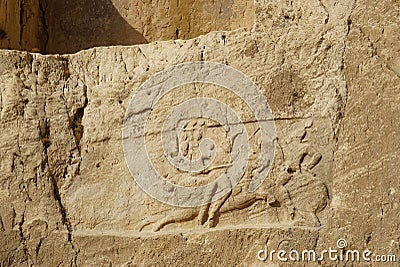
x=183 y=215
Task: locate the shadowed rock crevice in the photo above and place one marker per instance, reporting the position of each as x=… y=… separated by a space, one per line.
x=45 y=138
x=45 y=32
x=76 y=124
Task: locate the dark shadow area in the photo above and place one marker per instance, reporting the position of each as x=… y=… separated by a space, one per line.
x=73 y=25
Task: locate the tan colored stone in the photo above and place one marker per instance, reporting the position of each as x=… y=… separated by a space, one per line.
x=330 y=72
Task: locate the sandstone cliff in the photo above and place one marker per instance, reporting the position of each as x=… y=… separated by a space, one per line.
x=330 y=71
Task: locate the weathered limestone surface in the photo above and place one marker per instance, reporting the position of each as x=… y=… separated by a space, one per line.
x=330 y=71
x=68 y=26
x=22 y=25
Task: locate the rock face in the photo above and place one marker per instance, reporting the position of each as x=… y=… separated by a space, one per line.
x=70 y=26
x=330 y=71
x=22 y=25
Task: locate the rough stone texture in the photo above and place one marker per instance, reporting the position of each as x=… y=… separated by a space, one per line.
x=331 y=73
x=22 y=25
x=70 y=26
